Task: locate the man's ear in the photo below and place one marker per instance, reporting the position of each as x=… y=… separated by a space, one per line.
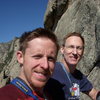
x=20 y=57
x=62 y=49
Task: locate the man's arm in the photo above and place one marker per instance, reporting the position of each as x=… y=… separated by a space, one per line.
x=93 y=94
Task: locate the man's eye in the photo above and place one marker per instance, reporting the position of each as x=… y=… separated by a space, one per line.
x=80 y=48
x=51 y=59
x=37 y=56
x=71 y=47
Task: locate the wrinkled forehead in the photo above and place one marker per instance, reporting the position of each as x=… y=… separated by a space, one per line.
x=74 y=40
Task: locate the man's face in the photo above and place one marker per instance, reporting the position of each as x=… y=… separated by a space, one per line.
x=73 y=50
x=38 y=61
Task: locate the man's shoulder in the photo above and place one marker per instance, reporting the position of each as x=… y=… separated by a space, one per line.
x=6 y=92
x=10 y=92
x=8 y=87
x=58 y=71
x=78 y=74
x=58 y=66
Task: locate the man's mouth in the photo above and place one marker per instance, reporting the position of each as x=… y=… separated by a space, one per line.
x=40 y=75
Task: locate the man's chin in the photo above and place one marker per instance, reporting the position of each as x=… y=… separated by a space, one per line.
x=73 y=64
x=39 y=84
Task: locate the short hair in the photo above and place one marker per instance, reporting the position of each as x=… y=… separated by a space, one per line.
x=72 y=34
x=37 y=33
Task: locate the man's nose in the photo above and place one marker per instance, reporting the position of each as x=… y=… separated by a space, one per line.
x=75 y=50
x=44 y=63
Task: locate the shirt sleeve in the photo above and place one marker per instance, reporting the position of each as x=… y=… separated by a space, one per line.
x=85 y=84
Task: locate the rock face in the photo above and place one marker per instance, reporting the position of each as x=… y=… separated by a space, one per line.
x=64 y=16
x=3 y=50
x=9 y=68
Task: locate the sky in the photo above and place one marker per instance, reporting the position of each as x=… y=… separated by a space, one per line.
x=19 y=16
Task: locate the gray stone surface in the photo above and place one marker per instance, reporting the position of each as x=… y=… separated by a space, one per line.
x=10 y=67
x=63 y=16
x=81 y=16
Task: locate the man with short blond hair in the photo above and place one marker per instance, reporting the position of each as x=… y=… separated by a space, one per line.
x=36 y=56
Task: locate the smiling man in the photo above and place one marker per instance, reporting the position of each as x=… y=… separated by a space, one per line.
x=37 y=55
x=67 y=82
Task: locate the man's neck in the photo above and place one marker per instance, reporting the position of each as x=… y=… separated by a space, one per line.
x=38 y=94
x=69 y=68
x=37 y=91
